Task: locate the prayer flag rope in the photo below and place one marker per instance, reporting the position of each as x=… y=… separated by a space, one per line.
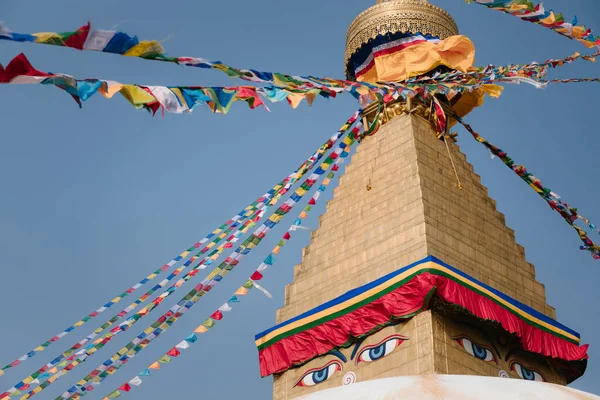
x=269 y=198
x=257 y=275
x=528 y=11
x=569 y=214
x=166 y=321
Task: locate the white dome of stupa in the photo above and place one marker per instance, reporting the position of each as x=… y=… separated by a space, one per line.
x=450 y=387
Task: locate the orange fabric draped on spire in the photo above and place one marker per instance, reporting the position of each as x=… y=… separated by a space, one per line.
x=456 y=52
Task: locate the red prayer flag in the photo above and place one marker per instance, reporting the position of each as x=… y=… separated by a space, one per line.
x=287 y=236
x=218 y=315
x=312 y=201
x=335 y=168
x=173 y=352
x=78 y=39
x=125 y=387
x=256 y=276
x=19 y=65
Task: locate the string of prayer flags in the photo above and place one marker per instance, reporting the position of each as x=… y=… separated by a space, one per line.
x=257 y=275
x=269 y=198
x=159 y=324
x=173 y=99
x=569 y=214
x=72 y=352
x=109 y=41
x=286 y=87
x=536 y=13
x=184 y=99
x=165 y=322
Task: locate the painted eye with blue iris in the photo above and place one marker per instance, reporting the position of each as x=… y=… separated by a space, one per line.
x=379 y=350
x=476 y=350
x=315 y=376
x=526 y=373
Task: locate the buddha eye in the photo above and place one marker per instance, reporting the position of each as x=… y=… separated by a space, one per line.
x=525 y=373
x=381 y=349
x=319 y=375
x=476 y=350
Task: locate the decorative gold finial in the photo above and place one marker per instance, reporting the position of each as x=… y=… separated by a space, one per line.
x=393 y=16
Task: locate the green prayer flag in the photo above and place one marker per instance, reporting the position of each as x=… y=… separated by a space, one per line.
x=114 y=395
x=330 y=175
x=248 y=284
x=209 y=323
x=164 y=359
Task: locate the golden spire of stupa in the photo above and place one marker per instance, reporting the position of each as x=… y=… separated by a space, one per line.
x=393 y=16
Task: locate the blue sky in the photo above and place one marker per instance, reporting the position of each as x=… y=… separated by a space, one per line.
x=92 y=200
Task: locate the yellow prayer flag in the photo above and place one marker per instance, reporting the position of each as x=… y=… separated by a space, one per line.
x=79 y=323
x=44 y=37
x=1 y=372
x=39 y=348
x=29 y=379
x=145 y=48
x=37 y=389
x=136 y=95
x=325 y=166
x=549 y=20
x=213 y=273
x=242 y=291
x=184 y=254
x=81 y=382
x=326 y=181
x=200 y=329
x=276 y=250
x=155 y=365
x=53 y=370
x=304 y=214
x=295 y=99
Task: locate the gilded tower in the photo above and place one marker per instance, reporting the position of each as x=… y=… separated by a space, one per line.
x=412 y=270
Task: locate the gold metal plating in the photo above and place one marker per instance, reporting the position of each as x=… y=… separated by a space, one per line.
x=421 y=108
x=414 y=16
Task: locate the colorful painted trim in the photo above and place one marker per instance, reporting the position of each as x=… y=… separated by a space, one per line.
x=402 y=294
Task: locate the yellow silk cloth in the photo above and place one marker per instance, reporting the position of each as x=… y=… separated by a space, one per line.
x=456 y=52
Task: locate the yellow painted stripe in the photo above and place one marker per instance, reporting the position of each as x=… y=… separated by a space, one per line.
x=396 y=279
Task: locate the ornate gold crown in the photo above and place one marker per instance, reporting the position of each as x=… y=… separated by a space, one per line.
x=414 y=16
